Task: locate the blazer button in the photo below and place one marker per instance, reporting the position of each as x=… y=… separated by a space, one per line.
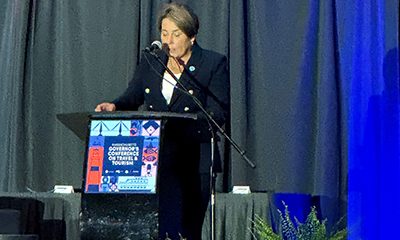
x=191 y=91
x=186 y=109
x=151 y=106
x=147 y=90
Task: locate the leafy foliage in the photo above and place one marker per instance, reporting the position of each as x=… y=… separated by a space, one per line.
x=180 y=237
x=263 y=230
x=311 y=229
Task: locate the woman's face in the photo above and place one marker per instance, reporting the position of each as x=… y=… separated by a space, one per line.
x=179 y=44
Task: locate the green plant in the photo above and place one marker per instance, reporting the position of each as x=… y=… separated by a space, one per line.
x=180 y=237
x=311 y=229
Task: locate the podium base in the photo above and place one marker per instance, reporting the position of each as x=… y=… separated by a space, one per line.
x=123 y=216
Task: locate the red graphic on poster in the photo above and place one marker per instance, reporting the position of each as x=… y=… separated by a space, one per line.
x=95 y=166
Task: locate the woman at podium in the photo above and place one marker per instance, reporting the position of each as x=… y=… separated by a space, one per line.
x=185 y=155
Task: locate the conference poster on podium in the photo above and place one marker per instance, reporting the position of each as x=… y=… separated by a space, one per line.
x=122 y=156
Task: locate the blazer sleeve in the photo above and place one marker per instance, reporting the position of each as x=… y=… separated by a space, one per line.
x=217 y=98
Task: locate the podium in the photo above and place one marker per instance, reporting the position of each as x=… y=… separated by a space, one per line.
x=120 y=184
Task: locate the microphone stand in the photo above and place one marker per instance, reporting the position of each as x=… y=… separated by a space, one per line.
x=213 y=178
x=211 y=122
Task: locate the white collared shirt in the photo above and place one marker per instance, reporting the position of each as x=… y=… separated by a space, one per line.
x=168 y=85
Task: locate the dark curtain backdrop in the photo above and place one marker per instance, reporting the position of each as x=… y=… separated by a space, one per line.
x=303 y=76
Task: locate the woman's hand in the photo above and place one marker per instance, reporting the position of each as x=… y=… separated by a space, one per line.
x=105 y=106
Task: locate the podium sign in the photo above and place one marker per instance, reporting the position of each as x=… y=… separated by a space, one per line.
x=122 y=156
x=120 y=177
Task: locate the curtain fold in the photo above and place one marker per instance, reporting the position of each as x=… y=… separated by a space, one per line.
x=369 y=69
x=14 y=23
x=289 y=111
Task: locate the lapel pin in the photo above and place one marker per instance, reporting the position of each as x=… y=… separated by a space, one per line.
x=147 y=90
x=191 y=91
x=192 y=68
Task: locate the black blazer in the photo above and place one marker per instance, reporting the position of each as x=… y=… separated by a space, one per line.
x=205 y=76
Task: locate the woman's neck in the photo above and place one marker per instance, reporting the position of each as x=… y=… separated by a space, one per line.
x=175 y=65
x=184 y=59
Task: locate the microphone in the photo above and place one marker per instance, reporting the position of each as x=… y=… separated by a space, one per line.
x=156 y=45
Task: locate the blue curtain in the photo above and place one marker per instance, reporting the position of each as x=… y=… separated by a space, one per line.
x=369 y=73
x=343 y=140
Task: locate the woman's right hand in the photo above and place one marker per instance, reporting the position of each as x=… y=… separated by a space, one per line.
x=105 y=107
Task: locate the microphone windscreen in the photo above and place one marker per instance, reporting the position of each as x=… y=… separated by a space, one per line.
x=156 y=44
